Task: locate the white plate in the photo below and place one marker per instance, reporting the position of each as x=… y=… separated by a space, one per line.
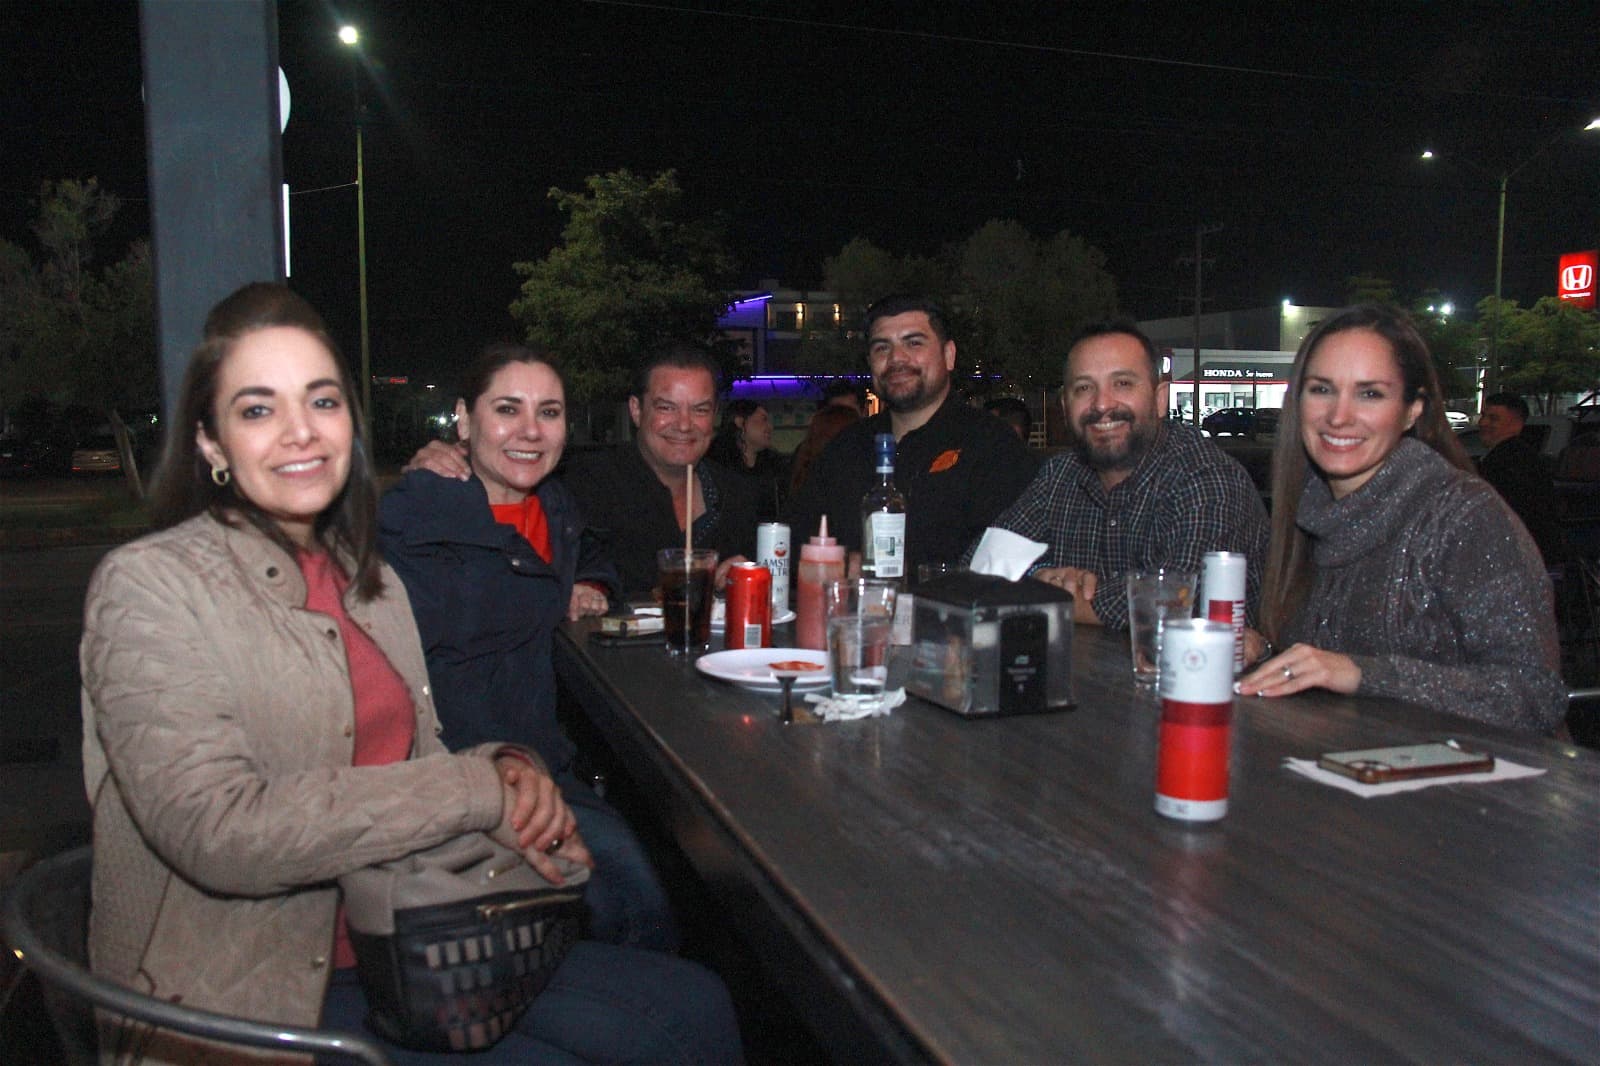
x=719 y=617
x=749 y=667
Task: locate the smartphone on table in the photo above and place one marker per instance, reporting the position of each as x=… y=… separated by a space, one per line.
x=1378 y=766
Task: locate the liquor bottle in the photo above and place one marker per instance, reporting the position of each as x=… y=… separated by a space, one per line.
x=883 y=519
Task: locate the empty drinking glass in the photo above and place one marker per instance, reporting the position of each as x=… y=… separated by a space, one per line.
x=1153 y=597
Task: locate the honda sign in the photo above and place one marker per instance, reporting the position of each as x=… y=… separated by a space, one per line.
x=1576 y=280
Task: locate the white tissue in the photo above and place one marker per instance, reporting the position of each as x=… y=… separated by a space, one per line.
x=1002 y=553
x=849 y=708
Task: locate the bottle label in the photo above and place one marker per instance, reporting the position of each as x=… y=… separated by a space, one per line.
x=886 y=548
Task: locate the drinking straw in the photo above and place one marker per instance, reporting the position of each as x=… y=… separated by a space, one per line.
x=688 y=548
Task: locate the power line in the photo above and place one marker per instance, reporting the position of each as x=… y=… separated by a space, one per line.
x=323 y=188
x=1052 y=49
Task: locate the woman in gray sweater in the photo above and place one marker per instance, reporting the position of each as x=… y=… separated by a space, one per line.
x=1393 y=569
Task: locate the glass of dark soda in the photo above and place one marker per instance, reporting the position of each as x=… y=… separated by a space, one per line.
x=686 y=580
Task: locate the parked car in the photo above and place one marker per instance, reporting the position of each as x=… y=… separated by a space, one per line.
x=35 y=455
x=96 y=455
x=1252 y=422
x=1459 y=421
x=22 y=458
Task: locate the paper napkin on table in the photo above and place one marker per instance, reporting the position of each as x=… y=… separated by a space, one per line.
x=1504 y=770
x=1002 y=553
x=849 y=708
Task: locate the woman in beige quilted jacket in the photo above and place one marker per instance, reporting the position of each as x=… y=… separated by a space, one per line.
x=257 y=722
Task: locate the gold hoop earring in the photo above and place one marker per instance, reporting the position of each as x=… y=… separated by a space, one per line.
x=220 y=476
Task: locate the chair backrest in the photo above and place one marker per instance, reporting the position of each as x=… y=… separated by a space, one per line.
x=46 y=920
x=58 y=918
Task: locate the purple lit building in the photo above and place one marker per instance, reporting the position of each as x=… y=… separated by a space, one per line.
x=786 y=376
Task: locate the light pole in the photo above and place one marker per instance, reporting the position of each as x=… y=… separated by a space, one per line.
x=351 y=38
x=1489 y=374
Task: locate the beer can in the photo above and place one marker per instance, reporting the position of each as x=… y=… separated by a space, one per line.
x=1223 y=584
x=772 y=552
x=1196 y=720
x=749 y=619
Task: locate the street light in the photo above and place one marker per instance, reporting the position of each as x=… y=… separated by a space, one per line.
x=351 y=38
x=1500 y=239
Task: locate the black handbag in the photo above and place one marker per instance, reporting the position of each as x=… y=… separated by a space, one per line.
x=454 y=942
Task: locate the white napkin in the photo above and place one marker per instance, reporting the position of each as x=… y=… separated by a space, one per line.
x=1002 y=553
x=1504 y=770
x=849 y=708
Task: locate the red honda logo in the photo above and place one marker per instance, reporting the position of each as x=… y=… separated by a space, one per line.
x=1576 y=279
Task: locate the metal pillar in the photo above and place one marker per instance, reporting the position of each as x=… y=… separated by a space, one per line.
x=215 y=162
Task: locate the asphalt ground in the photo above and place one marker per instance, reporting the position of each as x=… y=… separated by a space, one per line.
x=53 y=531
x=42 y=804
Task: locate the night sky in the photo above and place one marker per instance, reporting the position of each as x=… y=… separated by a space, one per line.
x=1297 y=128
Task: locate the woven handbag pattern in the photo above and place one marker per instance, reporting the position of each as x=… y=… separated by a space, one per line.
x=457 y=976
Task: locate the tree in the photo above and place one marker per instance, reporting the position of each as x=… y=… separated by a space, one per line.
x=1452 y=341
x=861 y=273
x=1369 y=289
x=1023 y=298
x=634 y=272
x=70 y=334
x=1547 y=349
x=1013 y=300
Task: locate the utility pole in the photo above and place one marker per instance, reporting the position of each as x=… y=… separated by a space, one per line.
x=1201 y=232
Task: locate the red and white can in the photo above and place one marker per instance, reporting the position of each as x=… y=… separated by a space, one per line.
x=1196 y=720
x=1223 y=585
x=772 y=552
x=748 y=622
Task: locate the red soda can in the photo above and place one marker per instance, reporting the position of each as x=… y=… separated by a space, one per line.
x=1223 y=588
x=749 y=617
x=1196 y=720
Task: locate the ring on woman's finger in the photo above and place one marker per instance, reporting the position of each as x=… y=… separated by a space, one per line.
x=1288 y=674
x=554 y=846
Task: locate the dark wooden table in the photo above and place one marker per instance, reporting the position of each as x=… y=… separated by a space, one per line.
x=1001 y=890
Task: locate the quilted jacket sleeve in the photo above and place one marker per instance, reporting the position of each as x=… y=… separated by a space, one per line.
x=225 y=772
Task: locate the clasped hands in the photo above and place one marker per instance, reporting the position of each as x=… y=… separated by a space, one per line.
x=535 y=820
x=1082 y=584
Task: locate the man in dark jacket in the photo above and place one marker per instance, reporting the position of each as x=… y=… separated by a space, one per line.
x=637 y=498
x=1517 y=471
x=958 y=466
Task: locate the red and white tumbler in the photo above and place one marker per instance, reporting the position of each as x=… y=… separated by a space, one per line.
x=1223 y=585
x=1196 y=720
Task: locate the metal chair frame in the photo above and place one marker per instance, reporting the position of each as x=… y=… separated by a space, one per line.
x=69 y=873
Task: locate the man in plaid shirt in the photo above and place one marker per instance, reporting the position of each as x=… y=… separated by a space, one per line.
x=1136 y=492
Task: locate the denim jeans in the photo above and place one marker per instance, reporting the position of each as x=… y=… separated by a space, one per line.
x=604 y=1004
x=627 y=904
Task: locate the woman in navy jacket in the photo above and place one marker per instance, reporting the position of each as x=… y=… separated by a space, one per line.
x=492 y=564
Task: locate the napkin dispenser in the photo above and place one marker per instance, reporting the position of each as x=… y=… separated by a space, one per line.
x=983 y=646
